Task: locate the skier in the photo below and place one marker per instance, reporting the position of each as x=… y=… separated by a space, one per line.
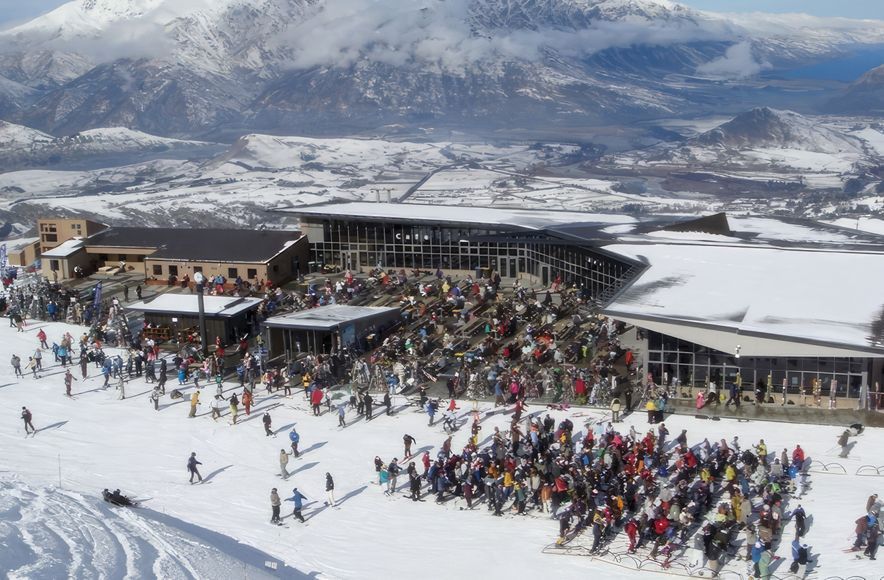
x=283 y=463
x=121 y=386
x=32 y=366
x=295 y=438
x=408 y=440
x=298 y=499
x=41 y=336
x=217 y=405
x=155 y=397
x=68 y=378
x=388 y=403
x=393 y=472
x=267 y=423
x=16 y=365
x=26 y=417
x=192 y=469
x=162 y=378
x=414 y=481
x=330 y=489
x=275 y=504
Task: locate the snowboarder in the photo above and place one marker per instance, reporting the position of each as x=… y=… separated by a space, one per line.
x=295 y=438
x=408 y=440
x=275 y=504
x=26 y=417
x=298 y=499
x=268 y=431
x=330 y=489
x=192 y=462
x=68 y=379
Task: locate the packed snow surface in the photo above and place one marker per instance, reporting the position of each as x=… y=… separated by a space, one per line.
x=214 y=529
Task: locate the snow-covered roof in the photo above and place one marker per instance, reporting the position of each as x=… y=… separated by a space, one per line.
x=328 y=317
x=18 y=243
x=816 y=296
x=526 y=219
x=186 y=304
x=64 y=249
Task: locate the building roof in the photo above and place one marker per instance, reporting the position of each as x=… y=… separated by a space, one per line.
x=515 y=218
x=823 y=297
x=211 y=245
x=328 y=317
x=65 y=249
x=187 y=305
x=17 y=244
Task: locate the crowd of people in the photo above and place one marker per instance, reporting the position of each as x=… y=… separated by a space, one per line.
x=699 y=502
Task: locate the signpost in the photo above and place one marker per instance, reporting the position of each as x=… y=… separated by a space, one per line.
x=200 y=281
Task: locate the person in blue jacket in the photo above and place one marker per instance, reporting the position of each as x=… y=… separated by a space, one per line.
x=431 y=411
x=298 y=498
x=295 y=438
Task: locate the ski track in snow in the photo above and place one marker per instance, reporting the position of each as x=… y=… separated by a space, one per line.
x=222 y=530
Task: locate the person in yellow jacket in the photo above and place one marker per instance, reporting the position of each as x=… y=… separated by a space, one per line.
x=651 y=408
x=194 y=401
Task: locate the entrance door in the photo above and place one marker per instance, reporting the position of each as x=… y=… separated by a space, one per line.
x=514 y=272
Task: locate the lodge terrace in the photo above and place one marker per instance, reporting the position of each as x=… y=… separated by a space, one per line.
x=717 y=299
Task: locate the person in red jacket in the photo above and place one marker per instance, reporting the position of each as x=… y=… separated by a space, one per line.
x=41 y=336
x=632 y=532
x=316 y=400
x=798 y=456
x=247 y=401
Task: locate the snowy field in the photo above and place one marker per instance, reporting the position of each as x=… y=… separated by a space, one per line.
x=186 y=531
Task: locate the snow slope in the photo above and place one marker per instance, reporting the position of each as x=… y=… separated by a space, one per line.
x=23 y=147
x=49 y=532
x=104 y=442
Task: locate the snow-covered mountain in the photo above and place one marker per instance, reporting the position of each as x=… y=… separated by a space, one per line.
x=185 y=67
x=764 y=127
x=23 y=147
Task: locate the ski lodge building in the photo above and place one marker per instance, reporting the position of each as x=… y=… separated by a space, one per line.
x=792 y=304
x=165 y=254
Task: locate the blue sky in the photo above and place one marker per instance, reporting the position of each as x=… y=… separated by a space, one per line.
x=12 y=11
